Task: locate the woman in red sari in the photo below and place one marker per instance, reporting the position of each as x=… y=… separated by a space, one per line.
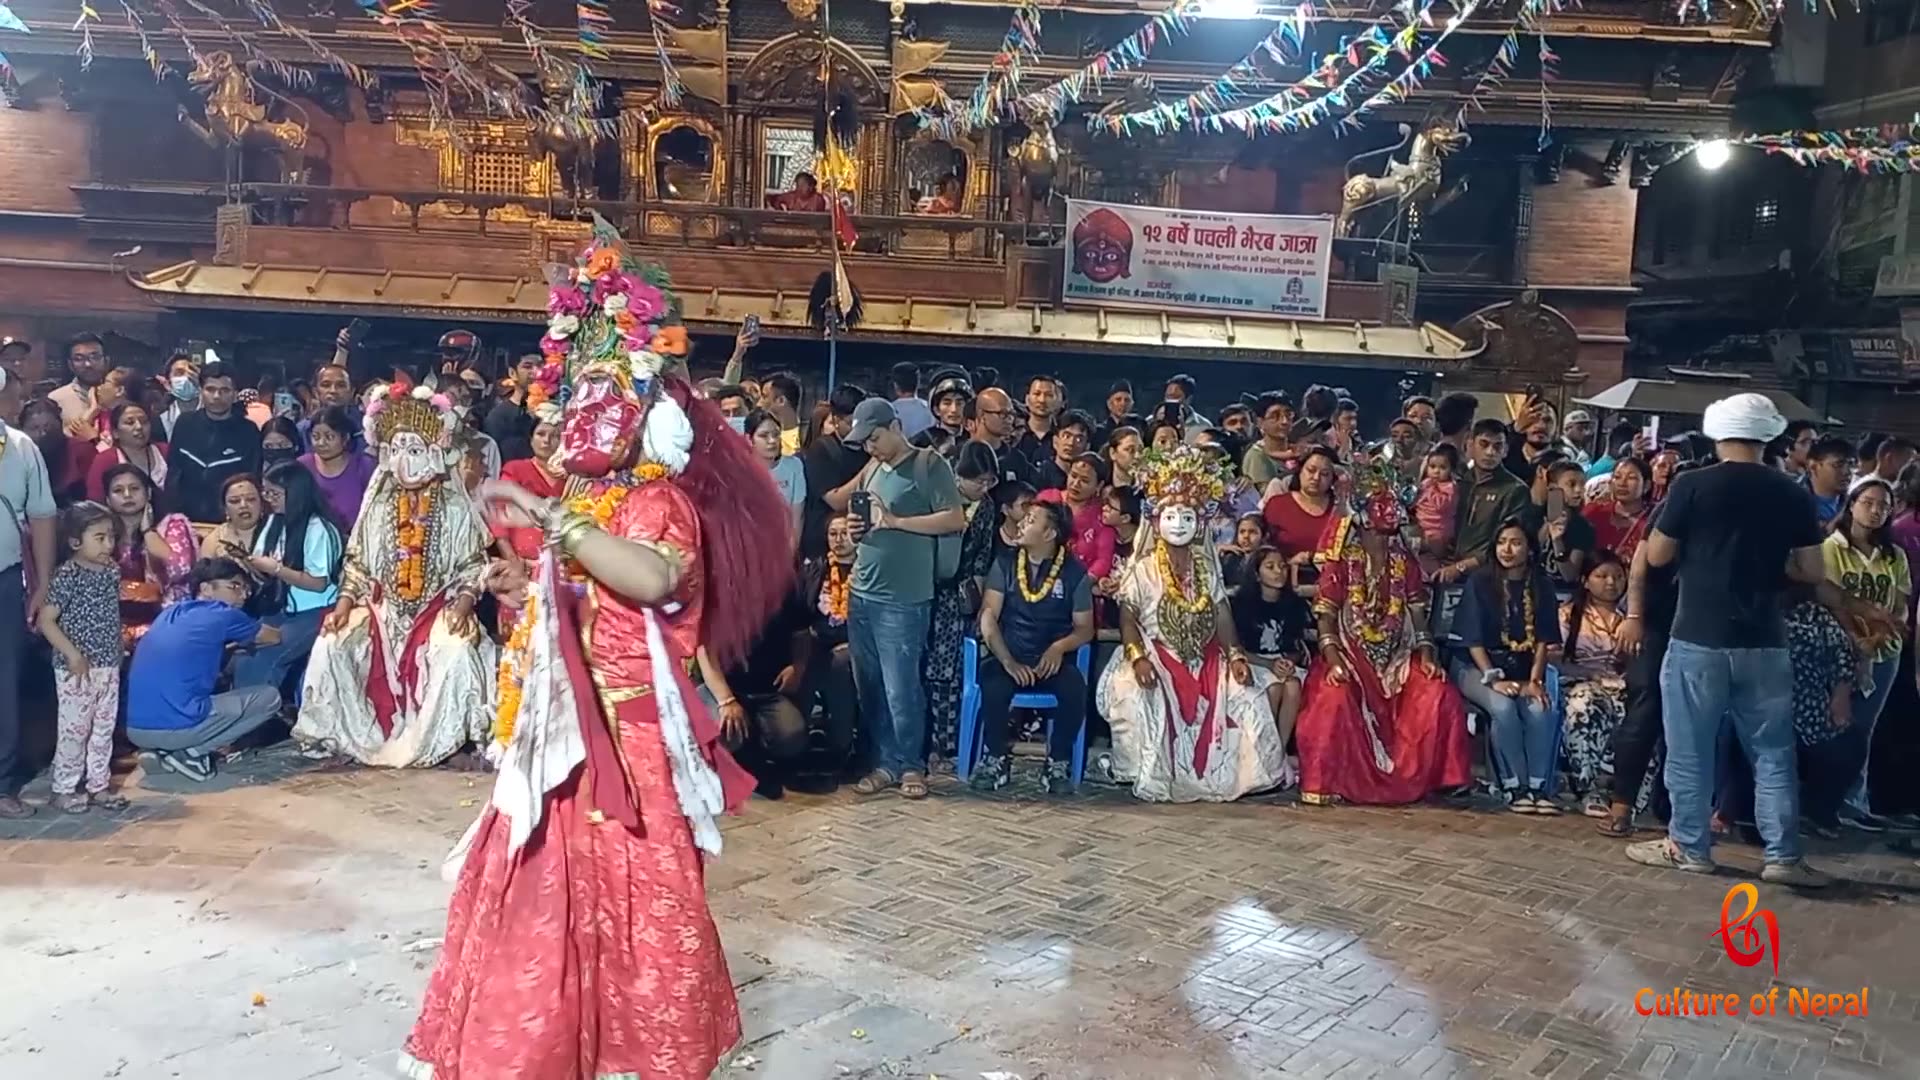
x=540 y=475
x=1380 y=723
x=579 y=945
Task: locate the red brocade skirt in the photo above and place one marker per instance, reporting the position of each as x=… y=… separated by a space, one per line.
x=1423 y=730
x=590 y=952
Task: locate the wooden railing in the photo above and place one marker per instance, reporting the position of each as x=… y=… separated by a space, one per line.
x=672 y=223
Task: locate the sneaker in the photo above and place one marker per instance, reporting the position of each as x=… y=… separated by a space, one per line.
x=1866 y=823
x=1902 y=821
x=197 y=769
x=1522 y=803
x=1663 y=854
x=1544 y=806
x=994 y=772
x=1796 y=873
x=1058 y=779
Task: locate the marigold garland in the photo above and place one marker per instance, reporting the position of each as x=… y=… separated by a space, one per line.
x=413 y=510
x=602 y=506
x=1201 y=598
x=513 y=675
x=1526 y=643
x=1046 y=585
x=1378 y=625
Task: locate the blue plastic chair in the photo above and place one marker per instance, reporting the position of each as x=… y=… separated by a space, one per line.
x=972 y=747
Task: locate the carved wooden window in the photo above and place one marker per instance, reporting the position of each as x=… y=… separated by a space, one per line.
x=486 y=159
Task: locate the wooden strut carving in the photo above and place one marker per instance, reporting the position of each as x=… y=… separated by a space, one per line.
x=1411 y=185
x=234 y=118
x=787 y=72
x=571 y=150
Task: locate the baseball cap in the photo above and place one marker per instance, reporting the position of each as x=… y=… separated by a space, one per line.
x=11 y=342
x=868 y=417
x=1577 y=416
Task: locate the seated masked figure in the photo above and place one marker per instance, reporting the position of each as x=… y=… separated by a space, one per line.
x=1380 y=723
x=1192 y=719
x=401 y=674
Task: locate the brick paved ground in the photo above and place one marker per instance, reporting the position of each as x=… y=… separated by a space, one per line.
x=1096 y=939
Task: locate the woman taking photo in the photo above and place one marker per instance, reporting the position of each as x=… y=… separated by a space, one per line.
x=132 y=429
x=155 y=552
x=763 y=429
x=1508 y=622
x=297 y=553
x=341 y=474
x=1593 y=679
x=1298 y=519
x=1620 y=521
x=1863 y=561
x=1123 y=455
x=956 y=603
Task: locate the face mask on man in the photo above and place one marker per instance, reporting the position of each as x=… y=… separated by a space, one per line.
x=184 y=388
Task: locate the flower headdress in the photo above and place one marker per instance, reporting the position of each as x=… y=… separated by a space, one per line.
x=419 y=409
x=608 y=312
x=1187 y=475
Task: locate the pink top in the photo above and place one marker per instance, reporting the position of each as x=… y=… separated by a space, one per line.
x=1433 y=512
x=1092 y=542
x=1906 y=534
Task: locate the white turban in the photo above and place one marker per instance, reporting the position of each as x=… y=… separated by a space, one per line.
x=1750 y=417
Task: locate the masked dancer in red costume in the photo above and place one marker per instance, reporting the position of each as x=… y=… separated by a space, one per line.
x=579 y=945
x=1381 y=723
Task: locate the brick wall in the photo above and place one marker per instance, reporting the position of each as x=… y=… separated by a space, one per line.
x=46 y=150
x=1582 y=232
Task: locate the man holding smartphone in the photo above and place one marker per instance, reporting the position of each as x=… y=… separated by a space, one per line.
x=900 y=506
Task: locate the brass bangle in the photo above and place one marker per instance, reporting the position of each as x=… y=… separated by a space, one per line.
x=1135 y=653
x=565 y=530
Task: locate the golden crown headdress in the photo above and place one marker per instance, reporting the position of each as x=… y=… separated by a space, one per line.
x=418 y=409
x=1187 y=475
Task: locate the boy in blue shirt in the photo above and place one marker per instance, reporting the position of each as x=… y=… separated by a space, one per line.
x=171 y=706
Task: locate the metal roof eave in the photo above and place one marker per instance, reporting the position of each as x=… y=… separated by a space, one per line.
x=419 y=294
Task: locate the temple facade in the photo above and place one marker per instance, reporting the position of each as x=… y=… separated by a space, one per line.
x=211 y=165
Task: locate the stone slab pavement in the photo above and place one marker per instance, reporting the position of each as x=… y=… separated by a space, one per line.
x=280 y=922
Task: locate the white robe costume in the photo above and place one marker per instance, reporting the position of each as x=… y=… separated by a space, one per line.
x=448 y=701
x=1154 y=747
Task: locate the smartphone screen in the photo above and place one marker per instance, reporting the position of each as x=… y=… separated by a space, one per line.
x=1556 y=504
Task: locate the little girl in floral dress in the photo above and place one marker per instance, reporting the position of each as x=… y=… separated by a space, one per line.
x=1433 y=506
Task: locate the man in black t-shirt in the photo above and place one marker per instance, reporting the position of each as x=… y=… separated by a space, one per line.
x=829 y=464
x=1736 y=531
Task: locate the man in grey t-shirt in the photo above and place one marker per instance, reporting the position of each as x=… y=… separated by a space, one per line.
x=902 y=502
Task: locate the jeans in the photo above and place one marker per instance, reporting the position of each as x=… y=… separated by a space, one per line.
x=776 y=725
x=997 y=689
x=274 y=665
x=1703 y=688
x=1859 y=735
x=1524 y=734
x=888 y=642
x=229 y=716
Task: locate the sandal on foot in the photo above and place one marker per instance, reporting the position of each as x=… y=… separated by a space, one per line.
x=1617 y=827
x=913 y=785
x=73 y=802
x=874 y=782
x=109 y=800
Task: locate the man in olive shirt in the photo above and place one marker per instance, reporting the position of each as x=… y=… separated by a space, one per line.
x=902 y=502
x=1489 y=496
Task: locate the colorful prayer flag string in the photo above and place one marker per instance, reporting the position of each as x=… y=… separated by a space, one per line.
x=1017 y=49
x=1282 y=46
x=1889 y=148
x=84 y=27
x=1549 y=62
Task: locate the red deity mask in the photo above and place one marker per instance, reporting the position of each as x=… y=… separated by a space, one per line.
x=601 y=431
x=1383 y=511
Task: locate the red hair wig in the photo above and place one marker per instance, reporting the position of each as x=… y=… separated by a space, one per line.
x=746 y=545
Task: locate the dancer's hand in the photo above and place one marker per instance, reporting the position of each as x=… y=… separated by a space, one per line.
x=514 y=506
x=1240 y=671
x=1144 y=674
x=460 y=618
x=1428 y=665
x=1337 y=674
x=336 y=619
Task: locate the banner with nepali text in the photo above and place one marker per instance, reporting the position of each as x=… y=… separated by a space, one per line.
x=1197 y=260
